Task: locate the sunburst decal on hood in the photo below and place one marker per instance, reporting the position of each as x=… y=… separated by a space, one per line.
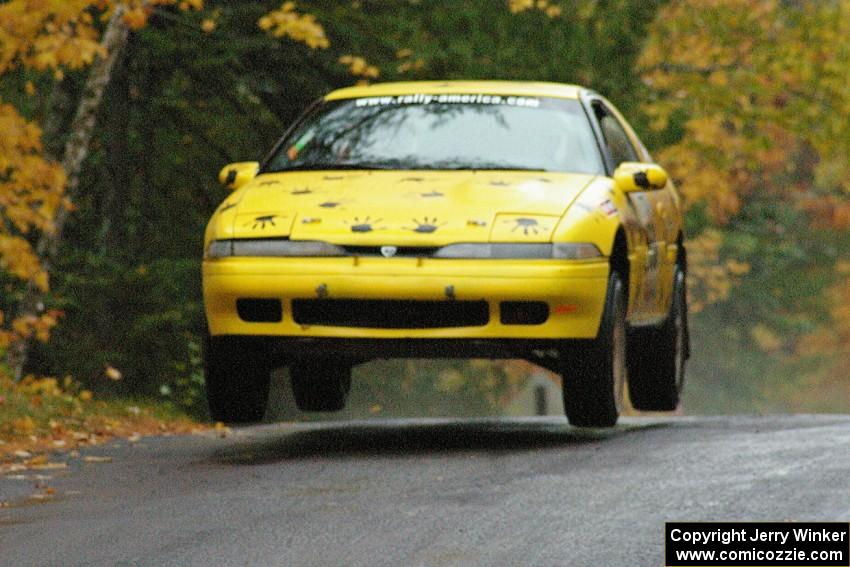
x=527 y=225
x=427 y=225
x=261 y=222
x=365 y=225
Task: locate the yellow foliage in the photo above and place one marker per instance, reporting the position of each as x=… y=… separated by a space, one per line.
x=758 y=86
x=545 y=6
x=450 y=380
x=762 y=88
x=46 y=35
x=408 y=62
x=136 y=18
x=709 y=279
x=516 y=6
x=23 y=425
x=359 y=67
x=34 y=326
x=45 y=387
x=737 y=268
x=42 y=35
x=31 y=191
x=287 y=22
x=113 y=373
x=766 y=339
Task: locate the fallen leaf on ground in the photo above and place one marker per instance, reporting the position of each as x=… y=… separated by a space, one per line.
x=221 y=429
x=94 y=459
x=38 y=460
x=23 y=425
x=49 y=466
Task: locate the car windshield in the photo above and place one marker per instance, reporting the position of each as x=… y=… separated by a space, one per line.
x=454 y=132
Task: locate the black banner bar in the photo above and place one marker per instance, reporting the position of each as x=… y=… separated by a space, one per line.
x=757 y=544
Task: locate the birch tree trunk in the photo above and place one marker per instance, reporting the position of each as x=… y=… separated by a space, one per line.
x=76 y=151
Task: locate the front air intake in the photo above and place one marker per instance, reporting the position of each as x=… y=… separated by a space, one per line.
x=390 y=314
x=259 y=310
x=523 y=312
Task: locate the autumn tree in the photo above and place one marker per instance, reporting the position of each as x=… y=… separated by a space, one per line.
x=38 y=190
x=750 y=99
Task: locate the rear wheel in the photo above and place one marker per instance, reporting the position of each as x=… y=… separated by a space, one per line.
x=594 y=373
x=320 y=385
x=657 y=356
x=237 y=375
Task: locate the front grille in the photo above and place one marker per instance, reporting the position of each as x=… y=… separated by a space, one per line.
x=390 y=314
x=400 y=252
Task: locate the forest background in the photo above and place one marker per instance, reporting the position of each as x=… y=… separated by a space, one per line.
x=116 y=115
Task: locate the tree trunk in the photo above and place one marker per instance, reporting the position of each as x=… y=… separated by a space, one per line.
x=76 y=150
x=82 y=128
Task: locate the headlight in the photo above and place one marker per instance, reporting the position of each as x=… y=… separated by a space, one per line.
x=219 y=249
x=561 y=250
x=575 y=250
x=272 y=248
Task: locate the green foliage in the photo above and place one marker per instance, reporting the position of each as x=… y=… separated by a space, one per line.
x=140 y=319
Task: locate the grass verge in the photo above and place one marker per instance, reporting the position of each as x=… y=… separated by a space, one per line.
x=39 y=415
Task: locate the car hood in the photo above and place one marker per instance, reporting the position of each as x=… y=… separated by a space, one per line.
x=412 y=208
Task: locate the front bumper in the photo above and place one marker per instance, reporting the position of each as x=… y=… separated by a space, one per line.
x=574 y=291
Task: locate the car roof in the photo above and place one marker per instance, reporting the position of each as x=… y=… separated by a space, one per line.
x=517 y=88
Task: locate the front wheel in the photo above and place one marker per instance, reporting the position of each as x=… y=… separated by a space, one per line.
x=657 y=356
x=237 y=375
x=594 y=373
x=320 y=385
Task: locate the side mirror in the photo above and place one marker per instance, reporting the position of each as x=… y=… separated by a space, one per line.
x=235 y=175
x=635 y=176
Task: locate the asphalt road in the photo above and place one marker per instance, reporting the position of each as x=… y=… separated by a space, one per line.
x=531 y=491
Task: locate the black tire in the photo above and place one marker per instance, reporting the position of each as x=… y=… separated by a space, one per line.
x=594 y=371
x=656 y=357
x=320 y=385
x=237 y=375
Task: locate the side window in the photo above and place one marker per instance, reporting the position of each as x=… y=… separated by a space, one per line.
x=615 y=137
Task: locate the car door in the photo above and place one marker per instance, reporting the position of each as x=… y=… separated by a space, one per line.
x=651 y=207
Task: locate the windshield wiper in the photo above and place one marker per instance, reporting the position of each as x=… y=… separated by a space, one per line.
x=333 y=167
x=490 y=168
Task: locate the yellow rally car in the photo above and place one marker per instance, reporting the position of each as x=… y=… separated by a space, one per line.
x=449 y=219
